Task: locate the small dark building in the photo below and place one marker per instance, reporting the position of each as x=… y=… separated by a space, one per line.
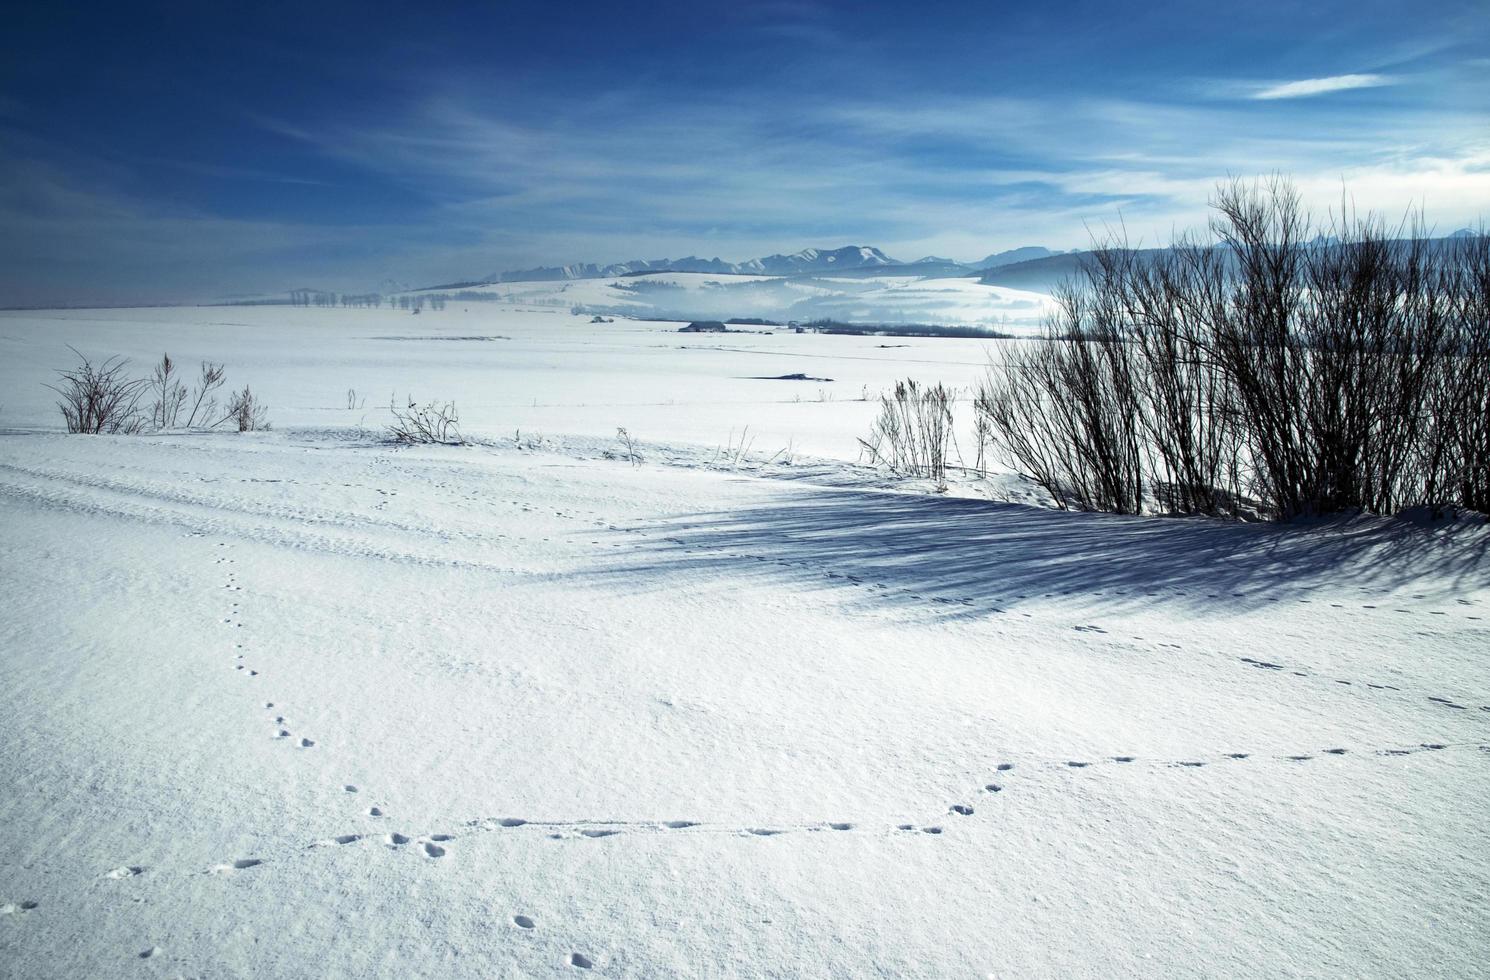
x=704 y=326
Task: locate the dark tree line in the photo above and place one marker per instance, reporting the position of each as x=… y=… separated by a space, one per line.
x=1276 y=370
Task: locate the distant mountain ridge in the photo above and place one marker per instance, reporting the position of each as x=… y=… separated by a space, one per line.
x=808 y=261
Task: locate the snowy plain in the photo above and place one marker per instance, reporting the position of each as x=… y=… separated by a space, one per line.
x=302 y=703
x=852 y=298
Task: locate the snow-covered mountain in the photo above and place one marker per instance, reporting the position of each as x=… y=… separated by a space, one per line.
x=1022 y=254
x=807 y=260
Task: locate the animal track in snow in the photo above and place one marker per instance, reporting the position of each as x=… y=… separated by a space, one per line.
x=128 y=871
x=342 y=839
x=523 y=922
x=581 y=960
x=242 y=864
x=433 y=850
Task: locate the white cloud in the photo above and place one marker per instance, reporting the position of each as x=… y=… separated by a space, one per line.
x=1320 y=86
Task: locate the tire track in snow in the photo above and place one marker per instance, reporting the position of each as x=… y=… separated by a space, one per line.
x=78 y=496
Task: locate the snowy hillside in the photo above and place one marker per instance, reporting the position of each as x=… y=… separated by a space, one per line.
x=860 y=299
x=300 y=703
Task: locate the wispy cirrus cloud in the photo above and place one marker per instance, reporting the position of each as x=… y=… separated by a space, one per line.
x=1306 y=87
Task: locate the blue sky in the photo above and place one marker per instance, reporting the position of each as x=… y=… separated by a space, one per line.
x=185 y=152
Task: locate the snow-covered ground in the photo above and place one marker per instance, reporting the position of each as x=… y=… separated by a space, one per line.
x=300 y=703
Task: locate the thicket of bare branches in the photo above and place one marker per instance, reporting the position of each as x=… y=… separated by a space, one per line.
x=247 y=411
x=95 y=398
x=913 y=433
x=104 y=398
x=1286 y=369
x=171 y=398
x=434 y=422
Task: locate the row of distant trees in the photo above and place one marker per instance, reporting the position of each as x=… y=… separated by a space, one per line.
x=317 y=297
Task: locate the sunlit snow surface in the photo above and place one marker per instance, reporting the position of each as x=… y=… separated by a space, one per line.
x=300 y=703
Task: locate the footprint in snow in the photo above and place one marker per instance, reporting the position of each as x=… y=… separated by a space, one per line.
x=128 y=871
x=963 y=809
x=12 y=908
x=433 y=850
x=523 y=922
x=581 y=960
x=242 y=864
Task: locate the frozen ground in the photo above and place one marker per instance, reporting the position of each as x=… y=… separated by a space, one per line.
x=302 y=704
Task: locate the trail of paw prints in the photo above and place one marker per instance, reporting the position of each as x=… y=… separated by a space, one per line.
x=1462 y=607
x=1202 y=760
x=280 y=726
x=1282 y=669
x=233 y=617
x=437 y=847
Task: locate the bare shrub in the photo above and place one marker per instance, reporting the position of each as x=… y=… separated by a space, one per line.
x=100 y=398
x=434 y=422
x=913 y=433
x=168 y=394
x=246 y=411
x=204 y=396
x=1066 y=407
x=628 y=446
x=1287 y=369
x=734 y=452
